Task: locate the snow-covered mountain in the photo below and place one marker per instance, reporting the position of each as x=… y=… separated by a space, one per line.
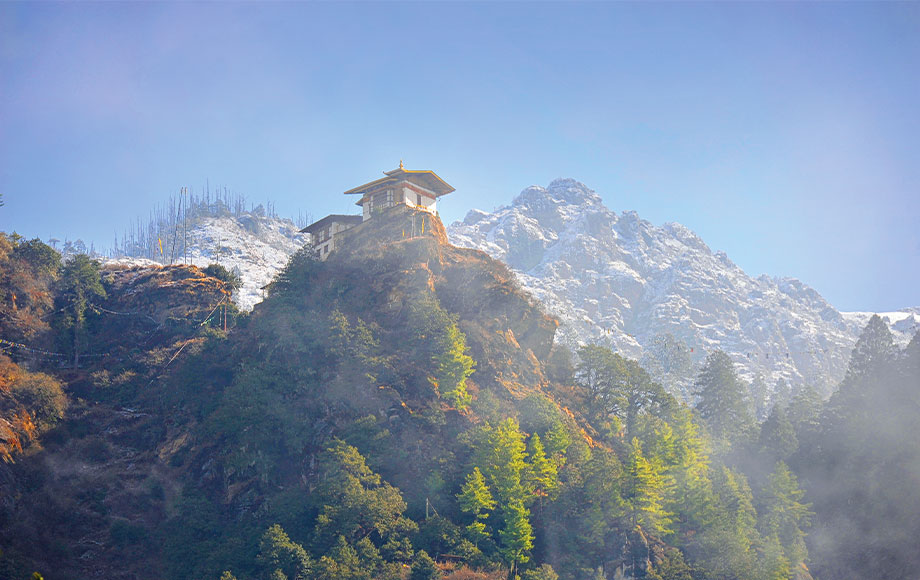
x=619 y=280
x=256 y=247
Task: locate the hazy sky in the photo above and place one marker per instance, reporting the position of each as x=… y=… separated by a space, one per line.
x=786 y=134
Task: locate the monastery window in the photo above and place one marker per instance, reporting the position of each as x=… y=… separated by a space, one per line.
x=389 y=197
x=418 y=199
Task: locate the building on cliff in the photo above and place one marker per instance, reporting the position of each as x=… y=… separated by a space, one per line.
x=324 y=233
x=415 y=188
x=418 y=189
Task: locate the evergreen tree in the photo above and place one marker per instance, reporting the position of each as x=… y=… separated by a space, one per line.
x=726 y=546
x=584 y=524
x=860 y=466
x=340 y=563
x=78 y=286
x=516 y=536
x=777 y=439
x=453 y=367
x=723 y=399
x=544 y=572
x=475 y=499
x=803 y=411
x=680 y=448
x=557 y=442
x=646 y=492
x=474 y=496
x=543 y=476
x=354 y=501
x=773 y=563
x=502 y=459
x=596 y=373
x=436 y=337
x=874 y=349
x=784 y=515
x=282 y=558
x=423 y=567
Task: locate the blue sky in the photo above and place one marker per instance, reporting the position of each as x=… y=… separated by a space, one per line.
x=785 y=134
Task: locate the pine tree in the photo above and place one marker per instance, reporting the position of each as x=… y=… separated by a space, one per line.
x=874 y=348
x=557 y=442
x=423 y=567
x=475 y=499
x=78 y=286
x=723 y=399
x=777 y=440
x=355 y=502
x=542 y=473
x=803 y=411
x=502 y=460
x=646 y=492
x=516 y=535
x=726 y=545
x=453 y=367
x=544 y=572
x=282 y=557
x=691 y=494
x=339 y=563
x=784 y=515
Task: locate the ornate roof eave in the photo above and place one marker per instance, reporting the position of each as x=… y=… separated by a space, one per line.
x=432 y=181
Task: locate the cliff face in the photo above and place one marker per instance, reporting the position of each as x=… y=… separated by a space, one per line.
x=507 y=331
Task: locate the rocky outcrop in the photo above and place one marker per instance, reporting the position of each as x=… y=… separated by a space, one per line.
x=407 y=253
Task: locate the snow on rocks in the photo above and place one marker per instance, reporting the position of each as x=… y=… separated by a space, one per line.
x=618 y=280
x=254 y=247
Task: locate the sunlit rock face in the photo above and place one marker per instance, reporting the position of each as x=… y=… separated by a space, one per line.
x=616 y=279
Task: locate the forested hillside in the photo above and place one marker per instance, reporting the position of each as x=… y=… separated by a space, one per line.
x=401 y=411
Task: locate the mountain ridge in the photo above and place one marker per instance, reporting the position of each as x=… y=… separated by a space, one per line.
x=619 y=280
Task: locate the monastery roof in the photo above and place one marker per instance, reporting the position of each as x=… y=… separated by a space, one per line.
x=340 y=218
x=427 y=179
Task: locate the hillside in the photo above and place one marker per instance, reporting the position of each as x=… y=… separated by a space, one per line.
x=75 y=483
x=619 y=280
x=400 y=400
x=398 y=411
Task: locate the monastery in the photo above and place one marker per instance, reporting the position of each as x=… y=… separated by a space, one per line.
x=419 y=189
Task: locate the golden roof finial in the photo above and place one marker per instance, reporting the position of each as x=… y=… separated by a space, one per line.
x=400 y=164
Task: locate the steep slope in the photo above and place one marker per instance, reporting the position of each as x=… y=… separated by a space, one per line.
x=82 y=500
x=619 y=280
